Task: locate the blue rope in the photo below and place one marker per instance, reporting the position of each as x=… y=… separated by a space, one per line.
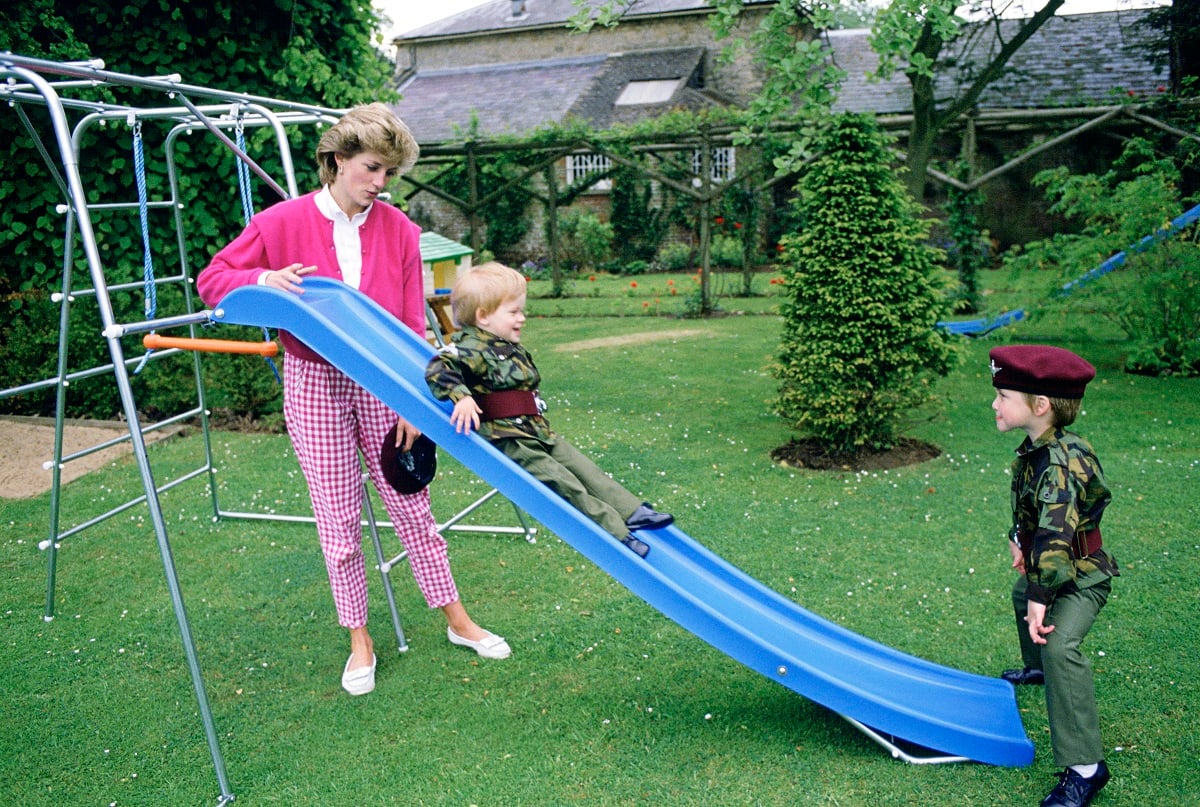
x=243 y=172
x=139 y=169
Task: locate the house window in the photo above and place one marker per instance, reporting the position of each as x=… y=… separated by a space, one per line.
x=654 y=91
x=581 y=166
x=724 y=163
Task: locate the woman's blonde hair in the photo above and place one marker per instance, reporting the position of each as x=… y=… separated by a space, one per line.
x=484 y=288
x=371 y=127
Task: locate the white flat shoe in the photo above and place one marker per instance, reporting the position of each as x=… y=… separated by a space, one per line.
x=359 y=681
x=490 y=646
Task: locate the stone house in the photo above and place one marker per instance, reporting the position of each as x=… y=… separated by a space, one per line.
x=507 y=67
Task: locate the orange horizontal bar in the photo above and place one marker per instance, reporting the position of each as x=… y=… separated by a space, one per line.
x=154 y=341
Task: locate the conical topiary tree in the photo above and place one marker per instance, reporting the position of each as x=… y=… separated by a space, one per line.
x=860 y=346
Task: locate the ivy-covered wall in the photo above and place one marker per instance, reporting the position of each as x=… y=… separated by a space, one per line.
x=322 y=52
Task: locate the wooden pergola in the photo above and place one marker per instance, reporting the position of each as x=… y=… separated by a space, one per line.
x=753 y=170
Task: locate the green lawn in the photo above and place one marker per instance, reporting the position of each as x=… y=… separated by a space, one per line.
x=604 y=700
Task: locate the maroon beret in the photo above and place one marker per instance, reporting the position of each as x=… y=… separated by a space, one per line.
x=408 y=471
x=1040 y=370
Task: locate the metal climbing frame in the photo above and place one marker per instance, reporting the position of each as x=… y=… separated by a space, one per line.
x=65 y=94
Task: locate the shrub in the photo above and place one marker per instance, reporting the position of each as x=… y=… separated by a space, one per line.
x=586 y=241
x=1155 y=295
x=726 y=252
x=860 y=346
x=638 y=223
x=635 y=268
x=675 y=257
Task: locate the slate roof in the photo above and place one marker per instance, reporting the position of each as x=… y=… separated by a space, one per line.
x=496 y=15
x=1072 y=60
x=597 y=105
x=512 y=98
x=518 y=97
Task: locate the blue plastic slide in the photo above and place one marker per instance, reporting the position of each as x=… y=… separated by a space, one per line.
x=872 y=685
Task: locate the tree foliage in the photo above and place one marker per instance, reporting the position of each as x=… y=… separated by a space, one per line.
x=860 y=345
x=322 y=52
x=801 y=81
x=917 y=37
x=1177 y=25
x=1155 y=295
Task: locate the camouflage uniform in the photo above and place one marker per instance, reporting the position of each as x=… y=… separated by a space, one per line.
x=477 y=363
x=1058 y=498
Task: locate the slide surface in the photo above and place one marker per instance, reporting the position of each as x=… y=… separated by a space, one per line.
x=947 y=710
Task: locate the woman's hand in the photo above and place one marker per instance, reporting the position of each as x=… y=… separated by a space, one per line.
x=290 y=278
x=406 y=434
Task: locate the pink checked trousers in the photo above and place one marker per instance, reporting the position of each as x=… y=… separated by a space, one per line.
x=331 y=420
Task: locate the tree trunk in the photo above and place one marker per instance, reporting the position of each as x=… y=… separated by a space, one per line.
x=922 y=134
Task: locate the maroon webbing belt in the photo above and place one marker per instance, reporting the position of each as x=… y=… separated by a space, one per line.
x=1086 y=543
x=509 y=403
x=1089 y=541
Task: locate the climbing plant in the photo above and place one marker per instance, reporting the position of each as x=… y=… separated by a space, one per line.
x=325 y=53
x=968 y=249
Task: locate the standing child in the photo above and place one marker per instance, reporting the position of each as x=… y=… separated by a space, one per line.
x=493 y=383
x=1058 y=498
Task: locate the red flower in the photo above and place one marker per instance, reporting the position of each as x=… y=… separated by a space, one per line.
x=719 y=220
x=779 y=247
x=592 y=278
x=633 y=284
x=737 y=225
x=1131 y=93
x=1161 y=88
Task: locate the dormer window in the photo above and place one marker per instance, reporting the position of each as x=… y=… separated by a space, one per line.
x=653 y=91
x=518 y=9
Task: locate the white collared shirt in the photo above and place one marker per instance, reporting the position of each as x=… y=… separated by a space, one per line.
x=346 y=242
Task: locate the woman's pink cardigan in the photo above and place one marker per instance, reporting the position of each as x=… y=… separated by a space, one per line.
x=295 y=231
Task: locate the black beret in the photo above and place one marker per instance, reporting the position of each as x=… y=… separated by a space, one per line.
x=1040 y=370
x=408 y=471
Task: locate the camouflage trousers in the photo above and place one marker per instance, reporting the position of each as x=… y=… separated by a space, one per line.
x=570 y=474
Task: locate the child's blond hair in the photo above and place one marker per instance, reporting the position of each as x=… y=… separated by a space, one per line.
x=1065 y=410
x=484 y=288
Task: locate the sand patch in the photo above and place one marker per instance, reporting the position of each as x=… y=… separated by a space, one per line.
x=622 y=340
x=26 y=443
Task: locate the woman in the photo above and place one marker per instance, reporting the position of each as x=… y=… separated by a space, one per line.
x=339 y=231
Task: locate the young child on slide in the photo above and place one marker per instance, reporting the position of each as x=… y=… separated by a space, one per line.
x=492 y=380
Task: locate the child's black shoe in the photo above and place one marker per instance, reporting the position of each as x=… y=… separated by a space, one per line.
x=639 y=548
x=1026 y=676
x=1075 y=791
x=647 y=518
